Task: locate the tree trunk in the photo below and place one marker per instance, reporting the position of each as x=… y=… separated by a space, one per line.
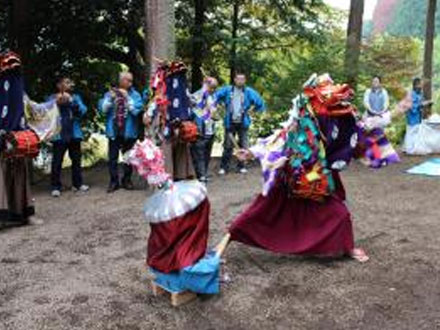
x=429 y=48
x=198 y=44
x=136 y=48
x=233 y=52
x=18 y=31
x=159 y=32
x=135 y=65
x=354 y=35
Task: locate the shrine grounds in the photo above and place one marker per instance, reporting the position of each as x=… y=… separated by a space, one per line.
x=84 y=268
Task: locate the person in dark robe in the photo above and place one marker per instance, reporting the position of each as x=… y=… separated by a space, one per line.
x=16 y=203
x=239 y=100
x=168 y=109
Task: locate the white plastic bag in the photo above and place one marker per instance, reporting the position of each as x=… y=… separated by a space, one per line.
x=422 y=139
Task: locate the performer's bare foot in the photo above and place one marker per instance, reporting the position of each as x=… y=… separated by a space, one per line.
x=359 y=255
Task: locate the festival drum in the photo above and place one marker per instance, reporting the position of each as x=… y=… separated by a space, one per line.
x=315 y=190
x=312 y=184
x=21 y=144
x=188 y=131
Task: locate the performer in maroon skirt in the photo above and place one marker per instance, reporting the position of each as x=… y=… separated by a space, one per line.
x=302 y=207
x=283 y=224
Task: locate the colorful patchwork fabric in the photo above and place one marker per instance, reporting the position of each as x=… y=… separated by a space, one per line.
x=375 y=149
x=320 y=136
x=170 y=102
x=205 y=105
x=296 y=156
x=306 y=173
x=270 y=152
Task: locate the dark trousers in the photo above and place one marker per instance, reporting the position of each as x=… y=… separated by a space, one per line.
x=115 y=146
x=201 y=153
x=59 y=150
x=237 y=131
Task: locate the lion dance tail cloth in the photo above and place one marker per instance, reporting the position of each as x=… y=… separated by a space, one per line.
x=178 y=214
x=302 y=207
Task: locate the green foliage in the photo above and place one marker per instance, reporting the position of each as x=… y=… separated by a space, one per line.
x=396 y=131
x=280 y=43
x=409 y=19
x=4 y=23
x=85 y=39
x=263 y=26
x=263 y=125
x=436 y=71
x=396 y=59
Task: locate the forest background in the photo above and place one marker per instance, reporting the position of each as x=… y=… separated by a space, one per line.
x=278 y=44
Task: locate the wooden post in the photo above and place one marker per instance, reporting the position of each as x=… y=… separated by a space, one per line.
x=429 y=49
x=354 y=35
x=233 y=51
x=221 y=247
x=198 y=45
x=160 y=37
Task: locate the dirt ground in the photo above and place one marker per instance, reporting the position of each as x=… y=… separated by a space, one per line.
x=84 y=268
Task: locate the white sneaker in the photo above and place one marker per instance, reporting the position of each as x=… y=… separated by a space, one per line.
x=221 y=172
x=56 y=193
x=243 y=171
x=84 y=188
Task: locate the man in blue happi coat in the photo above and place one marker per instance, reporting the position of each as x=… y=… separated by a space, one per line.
x=72 y=110
x=238 y=100
x=122 y=106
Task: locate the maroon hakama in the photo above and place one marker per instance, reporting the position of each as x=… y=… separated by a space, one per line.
x=179 y=242
x=284 y=224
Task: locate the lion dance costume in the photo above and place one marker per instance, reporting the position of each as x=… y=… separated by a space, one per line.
x=178 y=214
x=302 y=208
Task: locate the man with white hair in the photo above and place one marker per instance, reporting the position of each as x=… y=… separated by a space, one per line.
x=122 y=105
x=204 y=108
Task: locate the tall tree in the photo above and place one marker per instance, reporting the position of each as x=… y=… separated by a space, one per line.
x=233 y=52
x=260 y=26
x=354 y=35
x=159 y=31
x=81 y=38
x=429 y=48
x=409 y=19
x=198 y=43
x=19 y=28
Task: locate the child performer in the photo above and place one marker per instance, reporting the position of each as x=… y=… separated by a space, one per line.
x=178 y=214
